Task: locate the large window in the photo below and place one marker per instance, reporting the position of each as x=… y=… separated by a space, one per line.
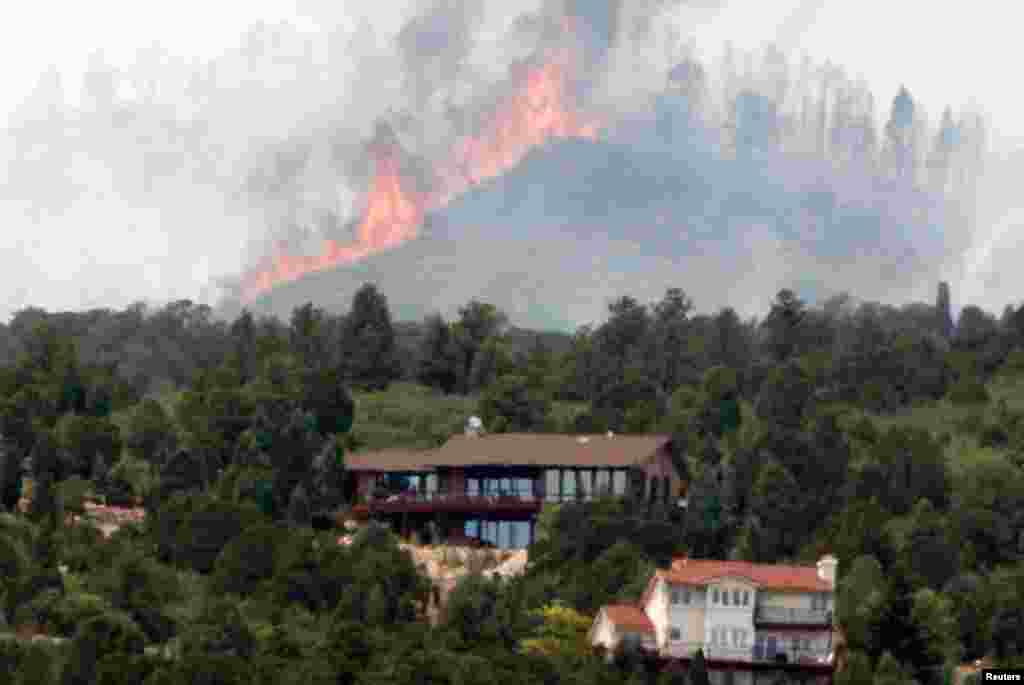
x=603 y=482
x=587 y=483
x=552 y=483
x=568 y=484
x=619 y=483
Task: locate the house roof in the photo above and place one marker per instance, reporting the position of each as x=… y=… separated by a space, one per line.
x=771 y=576
x=628 y=617
x=517 y=449
x=389 y=460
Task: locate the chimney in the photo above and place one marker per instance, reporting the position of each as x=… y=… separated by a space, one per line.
x=827 y=569
x=474 y=426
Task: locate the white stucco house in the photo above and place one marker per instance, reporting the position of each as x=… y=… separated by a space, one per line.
x=736 y=612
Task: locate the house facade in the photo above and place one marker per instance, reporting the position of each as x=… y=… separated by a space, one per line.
x=491 y=487
x=746 y=618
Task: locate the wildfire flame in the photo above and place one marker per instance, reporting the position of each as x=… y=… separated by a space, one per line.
x=536 y=110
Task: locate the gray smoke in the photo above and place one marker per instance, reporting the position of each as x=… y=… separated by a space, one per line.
x=168 y=176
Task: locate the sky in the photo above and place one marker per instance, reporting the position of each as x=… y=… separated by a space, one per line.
x=946 y=53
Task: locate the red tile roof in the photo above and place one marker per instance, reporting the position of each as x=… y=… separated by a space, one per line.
x=628 y=617
x=771 y=576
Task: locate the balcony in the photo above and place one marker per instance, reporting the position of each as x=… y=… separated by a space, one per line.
x=759 y=654
x=795 y=617
x=431 y=502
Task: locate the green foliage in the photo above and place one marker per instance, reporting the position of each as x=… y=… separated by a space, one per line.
x=150 y=430
x=220 y=629
x=860 y=602
x=562 y=633
x=28 y=663
x=109 y=633
x=511 y=399
x=248 y=560
x=82 y=437
x=968 y=390
x=369 y=341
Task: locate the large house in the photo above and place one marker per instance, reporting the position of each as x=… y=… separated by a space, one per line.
x=491 y=487
x=747 y=618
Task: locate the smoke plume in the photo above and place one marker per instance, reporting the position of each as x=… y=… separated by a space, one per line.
x=545 y=155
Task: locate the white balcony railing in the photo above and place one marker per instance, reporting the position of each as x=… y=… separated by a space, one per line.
x=760 y=654
x=794 y=616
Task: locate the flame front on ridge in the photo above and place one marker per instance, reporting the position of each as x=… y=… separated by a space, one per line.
x=537 y=109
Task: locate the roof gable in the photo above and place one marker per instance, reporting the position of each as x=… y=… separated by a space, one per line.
x=628 y=617
x=766 y=576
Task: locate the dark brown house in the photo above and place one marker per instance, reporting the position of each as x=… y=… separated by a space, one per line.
x=491 y=487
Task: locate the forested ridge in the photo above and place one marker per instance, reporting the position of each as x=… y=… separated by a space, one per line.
x=891 y=437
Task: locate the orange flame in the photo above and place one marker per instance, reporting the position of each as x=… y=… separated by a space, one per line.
x=536 y=111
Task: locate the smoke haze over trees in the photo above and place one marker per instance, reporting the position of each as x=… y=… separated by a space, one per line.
x=747 y=173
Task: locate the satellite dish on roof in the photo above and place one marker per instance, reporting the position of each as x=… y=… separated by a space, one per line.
x=474 y=426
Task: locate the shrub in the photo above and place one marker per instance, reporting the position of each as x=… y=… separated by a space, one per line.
x=18 y=528
x=248 y=559
x=30 y=663
x=110 y=633
x=14 y=559
x=72 y=492
x=219 y=629
x=81 y=546
x=116 y=669
x=969 y=390
x=38 y=611
x=157 y=625
x=211 y=526
x=135 y=581
x=74 y=609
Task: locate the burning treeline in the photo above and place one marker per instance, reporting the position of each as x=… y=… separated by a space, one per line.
x=538 y=105
x=842 y=158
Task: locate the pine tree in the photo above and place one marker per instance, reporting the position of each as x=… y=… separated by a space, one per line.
x=943 y=311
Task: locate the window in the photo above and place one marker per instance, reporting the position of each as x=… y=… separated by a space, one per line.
x=714 y=596
x=552 y=485
x=725 y=597
x=568 y=484
x=587 y=482
x=736 y=598
x=602 y=482
x=619 y=483
x=674 y=634
x=686 y=596
x=746 y=597
x=676 y=596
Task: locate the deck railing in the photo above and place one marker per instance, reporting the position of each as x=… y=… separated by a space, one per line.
x=792 y=616
x=753 y=654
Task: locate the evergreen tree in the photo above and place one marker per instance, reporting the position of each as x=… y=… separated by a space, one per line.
x=439 y=356
x=943 y=311
x=369 y=340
